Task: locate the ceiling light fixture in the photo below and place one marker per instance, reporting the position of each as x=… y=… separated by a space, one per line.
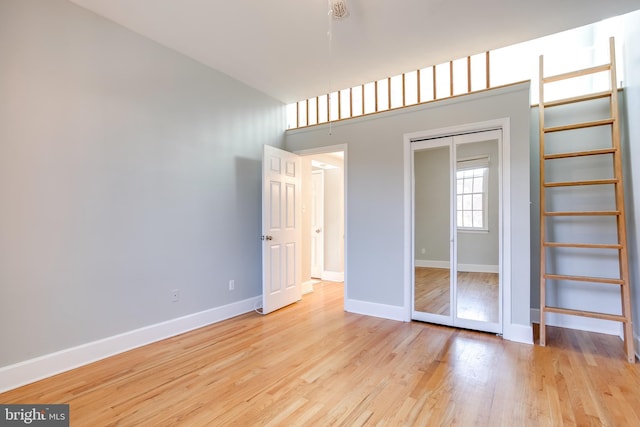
x=338 y=9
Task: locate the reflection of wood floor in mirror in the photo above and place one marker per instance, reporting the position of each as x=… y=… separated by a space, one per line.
x=432 y=290
x=477 y=293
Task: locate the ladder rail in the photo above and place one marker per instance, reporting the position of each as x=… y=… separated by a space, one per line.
x=622 y=224
x=543 y=251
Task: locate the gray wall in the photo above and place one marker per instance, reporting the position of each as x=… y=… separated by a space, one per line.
x=126 y=170
x=375 y=187
x=432 y=204
x=632 y=154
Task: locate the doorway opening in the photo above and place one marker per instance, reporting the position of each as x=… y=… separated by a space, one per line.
x=323 y=216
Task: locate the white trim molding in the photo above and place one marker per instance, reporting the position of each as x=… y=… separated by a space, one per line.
x=35 y=369
x=333 y=276
x=430 y=263
x=518 y=333
x=478 y=268
x=391 y=312
x=307 y=287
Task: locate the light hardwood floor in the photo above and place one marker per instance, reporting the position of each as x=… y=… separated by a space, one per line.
x=313 y=364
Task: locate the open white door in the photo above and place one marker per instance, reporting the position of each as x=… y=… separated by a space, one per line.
x=281 y=231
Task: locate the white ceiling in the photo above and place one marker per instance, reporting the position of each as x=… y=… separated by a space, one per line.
x=281 y=47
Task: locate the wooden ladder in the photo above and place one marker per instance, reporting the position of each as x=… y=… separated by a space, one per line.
x=548 y=280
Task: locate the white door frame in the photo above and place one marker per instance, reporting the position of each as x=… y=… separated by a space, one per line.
x=452 y=143
x=332 y=149
x=317 y=228
x=409 y=255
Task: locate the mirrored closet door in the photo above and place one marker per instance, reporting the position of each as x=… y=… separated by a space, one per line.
x=457 y=225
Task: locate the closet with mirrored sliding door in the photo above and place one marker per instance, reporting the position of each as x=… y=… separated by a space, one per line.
x=457 y=230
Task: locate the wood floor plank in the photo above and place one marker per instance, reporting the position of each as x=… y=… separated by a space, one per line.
x=312 y=364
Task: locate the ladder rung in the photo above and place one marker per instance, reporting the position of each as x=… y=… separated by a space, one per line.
x=577 y=183
x=583 y=245
x=575 y=99
x=580 y=153
x=604 y=316
x=584 y=279
x=583 y=213
x=577 y=73
x=582 y=125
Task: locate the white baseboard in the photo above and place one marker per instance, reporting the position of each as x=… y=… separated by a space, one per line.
x=35 y=369
x=479 y=268
x=307 y=287
x=518 y=333
x=476 y=268
x=391 y=312
x=580 y=323
x=429 y=263
x=333 y=276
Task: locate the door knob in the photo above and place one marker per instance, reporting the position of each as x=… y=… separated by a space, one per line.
x=267 y=237
x=318 y=230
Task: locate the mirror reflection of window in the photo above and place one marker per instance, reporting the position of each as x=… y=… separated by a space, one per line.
x=471 y=194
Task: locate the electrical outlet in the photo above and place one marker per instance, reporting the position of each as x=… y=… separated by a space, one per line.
x=175 y=295
x=232 y=284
